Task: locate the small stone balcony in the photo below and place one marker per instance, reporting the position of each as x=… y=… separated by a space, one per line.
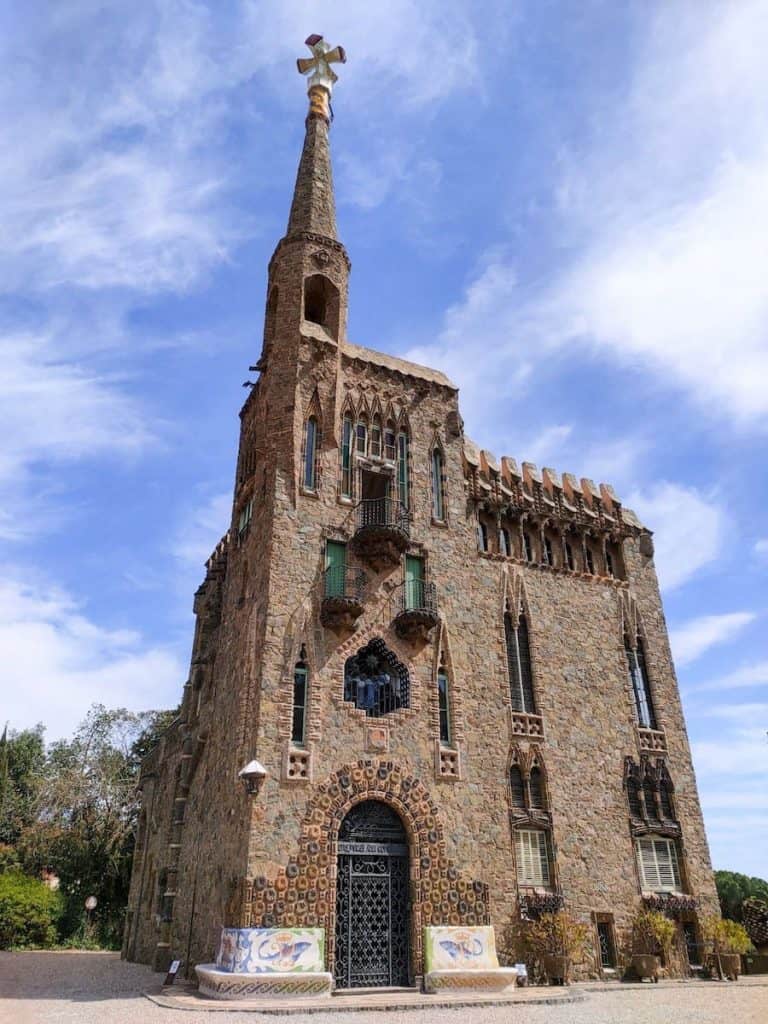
x=382 y=531
x=416 y=609
x=342 y=596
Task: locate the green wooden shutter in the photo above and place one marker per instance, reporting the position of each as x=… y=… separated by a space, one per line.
x=335 y=565
x=414 y=582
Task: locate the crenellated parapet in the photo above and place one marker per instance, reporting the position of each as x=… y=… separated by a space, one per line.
x=545 y=518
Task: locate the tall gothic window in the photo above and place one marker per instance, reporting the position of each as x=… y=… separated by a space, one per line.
x=361 y=436
x=376 y=438
x=569 y=560
x=438 y=486
x=346 y=457
x=665 y=799
x=390 y=442
x=403 y=481
x=300 y=677
x=443 y=698
x=482 y=536
x=309 y=475
x=649 y=798
x=517 y=786
x=505 y=545
x=641 y=686
x=527 y=546
x=519 y=663
x=536 y=783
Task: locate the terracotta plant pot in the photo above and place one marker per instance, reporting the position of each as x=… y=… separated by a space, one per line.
x=556 y=969
x=646 y=966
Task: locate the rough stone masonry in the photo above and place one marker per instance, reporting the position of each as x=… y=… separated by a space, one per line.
x=396 y=618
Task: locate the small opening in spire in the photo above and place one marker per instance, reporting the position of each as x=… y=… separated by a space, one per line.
x=321 y=303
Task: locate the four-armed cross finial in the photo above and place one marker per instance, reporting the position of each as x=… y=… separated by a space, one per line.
x=323 y=76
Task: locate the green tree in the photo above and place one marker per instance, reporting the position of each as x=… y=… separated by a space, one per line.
x=85 y=816
x=733 y=888
x=22 y=771
x=28 y=911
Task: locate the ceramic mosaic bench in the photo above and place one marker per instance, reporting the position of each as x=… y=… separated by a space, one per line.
x=272 y=962
x=464 y=958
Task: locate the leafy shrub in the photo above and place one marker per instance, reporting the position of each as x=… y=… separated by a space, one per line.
x=28 y=911
x=652 y=933
x=724 y=936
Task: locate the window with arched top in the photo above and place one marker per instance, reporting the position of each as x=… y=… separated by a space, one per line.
x=519 y=663
x=438 y=485
x=649 y=798
x=390 y=441
x=527 y=546
x=633 y=798
x=375 y=681
x=444 y=703
x=665 y=799
x=300 y=694
x=375 y=441
x=536 y=783
x=549 y=555
x=309 y=462
x=346 y=456
x=640 y=683
x=505 y=544
x=321 y=303
x=361 y=436
x=403 y=470
x=570 y=561
x=517 y=786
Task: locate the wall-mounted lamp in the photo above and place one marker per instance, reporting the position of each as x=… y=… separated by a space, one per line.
x=252 y=777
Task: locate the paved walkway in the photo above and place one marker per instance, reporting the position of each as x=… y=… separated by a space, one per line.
x=98 y=988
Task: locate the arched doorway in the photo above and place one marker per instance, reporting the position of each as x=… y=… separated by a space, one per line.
x=372 y=899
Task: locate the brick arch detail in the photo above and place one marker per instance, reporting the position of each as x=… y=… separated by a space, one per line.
x=303 y=891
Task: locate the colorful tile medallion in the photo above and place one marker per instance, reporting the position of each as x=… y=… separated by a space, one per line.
x=460 y=948
x=271 y=950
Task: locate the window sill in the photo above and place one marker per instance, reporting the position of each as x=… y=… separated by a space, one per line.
x=309 y=493
x=441 y=524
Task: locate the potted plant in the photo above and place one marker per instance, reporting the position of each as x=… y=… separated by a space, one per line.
x=557 y=940
x=651 y=932
x=727 y=941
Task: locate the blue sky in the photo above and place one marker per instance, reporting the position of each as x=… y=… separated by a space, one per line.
x=561 y=204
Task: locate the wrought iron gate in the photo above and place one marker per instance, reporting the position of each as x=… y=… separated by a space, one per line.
x=372 y=901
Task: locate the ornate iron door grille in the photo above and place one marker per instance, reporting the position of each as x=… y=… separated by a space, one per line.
x=372 y=915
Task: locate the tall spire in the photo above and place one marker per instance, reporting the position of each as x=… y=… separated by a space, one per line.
x=313 y=207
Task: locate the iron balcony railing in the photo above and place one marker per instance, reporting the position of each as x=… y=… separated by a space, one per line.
x=418 y=596
x=344 y=583
x=385 y=513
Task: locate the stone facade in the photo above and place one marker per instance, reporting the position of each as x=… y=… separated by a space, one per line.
x=493 y=541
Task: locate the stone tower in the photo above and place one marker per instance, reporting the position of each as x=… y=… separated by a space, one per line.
x=404 y=642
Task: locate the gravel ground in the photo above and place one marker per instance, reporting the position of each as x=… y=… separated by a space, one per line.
x=98 y=988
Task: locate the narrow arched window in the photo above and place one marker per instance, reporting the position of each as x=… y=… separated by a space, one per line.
x=527 y=546
x=376 y=438
x=649 y=798
x=549 y=557
x=569 y=559
x=482 y=536
x=403 y=479
x=536 y=783
x=443 y=698
x=519 y=664
x=641 y=686
x=361 y=437
x=633 y=799
x=390 y=442
x=505 y=545
x=346 y=457
x=300 y=678
x=665 y=799
x=589 y=560
x=517 y=786
x=310 y=455
x=438 y=486
x=609 y=567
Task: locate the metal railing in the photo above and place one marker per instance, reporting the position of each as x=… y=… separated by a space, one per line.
x=418 y=596
x=382 y=512
x=344 y=583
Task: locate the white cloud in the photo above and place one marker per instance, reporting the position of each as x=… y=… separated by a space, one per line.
x=54 y=411
x=661 y=213
x=761 y=547
x=201 y=530
x=747 y=675
x=688 y=529
x=57 y=661
x=692 y=639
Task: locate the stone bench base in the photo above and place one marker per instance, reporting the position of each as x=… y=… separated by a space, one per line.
x=218 y=984
x=490 y=979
